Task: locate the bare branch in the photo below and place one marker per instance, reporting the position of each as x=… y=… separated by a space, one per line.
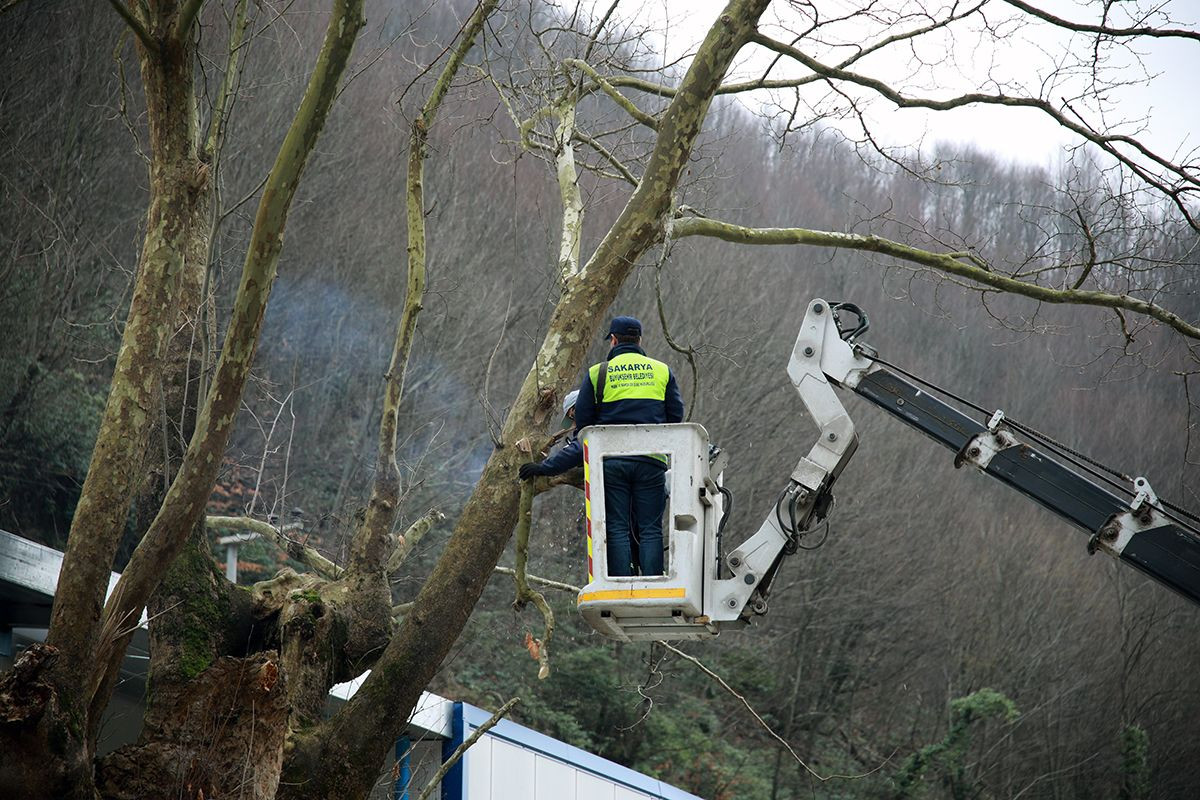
x=216 y=125
x=524 y=593
x=411 y=537
x=755 y=714
x=1104 y=30
x=610 y=90
x=599 y=28
x=1179 y=183
x=549 y=584
x=449 y=763
x=568 y=188
x=607 y=156
x=963 y=265
x=367 y=550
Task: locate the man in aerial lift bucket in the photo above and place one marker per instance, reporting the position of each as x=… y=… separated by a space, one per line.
x=628 y=388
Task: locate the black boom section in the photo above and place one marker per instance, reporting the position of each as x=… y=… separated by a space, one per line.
x=919 y=409
x=1038 y=477
x=1170 y=554
x=1064 y=491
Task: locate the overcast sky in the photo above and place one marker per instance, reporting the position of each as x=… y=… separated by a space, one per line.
x=1168 y=101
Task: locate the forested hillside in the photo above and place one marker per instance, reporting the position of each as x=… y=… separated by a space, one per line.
x=934 y=584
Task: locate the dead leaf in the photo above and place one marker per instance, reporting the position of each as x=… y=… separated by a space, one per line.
x=533 y=646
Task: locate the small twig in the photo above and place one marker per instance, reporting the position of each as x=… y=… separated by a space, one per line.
x=689 y=352
x=761 y=721
x=462 y=748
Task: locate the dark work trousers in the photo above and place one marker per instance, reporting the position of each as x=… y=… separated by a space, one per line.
x=634 y=499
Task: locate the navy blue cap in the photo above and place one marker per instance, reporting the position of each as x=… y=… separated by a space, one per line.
x=625 y=326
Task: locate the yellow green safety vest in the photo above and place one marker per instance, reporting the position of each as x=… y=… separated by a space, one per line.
x=632 y=376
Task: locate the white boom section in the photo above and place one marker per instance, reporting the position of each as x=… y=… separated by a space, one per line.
x=819 y=356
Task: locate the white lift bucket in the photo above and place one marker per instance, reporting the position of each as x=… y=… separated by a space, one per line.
x=671 y=605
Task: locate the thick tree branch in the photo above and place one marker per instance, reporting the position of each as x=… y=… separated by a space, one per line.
x=792 y=83
x=958 y=264
x=568 y=190
x=296 y=550
x=368 y=550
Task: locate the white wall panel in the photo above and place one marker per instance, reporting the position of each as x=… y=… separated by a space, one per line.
x=589 y=787
x=555 y=780
x=477 y=768
x=512 y=772
x=625 y=793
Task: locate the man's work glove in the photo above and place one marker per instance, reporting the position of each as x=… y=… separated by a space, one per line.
x=530 y=470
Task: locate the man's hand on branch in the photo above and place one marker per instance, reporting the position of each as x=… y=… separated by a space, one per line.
x=530 y=470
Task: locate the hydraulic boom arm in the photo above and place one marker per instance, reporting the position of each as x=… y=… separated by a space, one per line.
x=1143 y=532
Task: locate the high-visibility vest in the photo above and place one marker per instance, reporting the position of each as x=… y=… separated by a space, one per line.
x=632 y=376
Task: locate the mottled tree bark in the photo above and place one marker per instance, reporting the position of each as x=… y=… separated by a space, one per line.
x=183 y=507
x=67 y=684
x=178 y=192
